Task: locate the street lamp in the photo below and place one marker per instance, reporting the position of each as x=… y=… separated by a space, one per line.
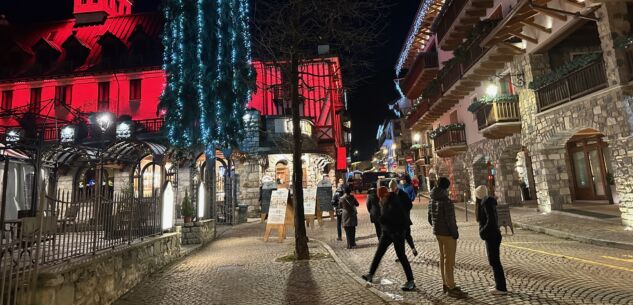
x=416 y=137
x=491 y=90
x=104 y=120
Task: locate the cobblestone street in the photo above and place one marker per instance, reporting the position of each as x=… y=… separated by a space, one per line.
x=540 y=269
x=239 y=268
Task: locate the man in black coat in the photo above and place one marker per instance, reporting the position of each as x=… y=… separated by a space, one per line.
x=394 y=224
x=490 y=233
x=340 y=191
x=373 y=207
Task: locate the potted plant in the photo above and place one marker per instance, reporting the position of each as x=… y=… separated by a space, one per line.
x=187 y=209
x=614 y=190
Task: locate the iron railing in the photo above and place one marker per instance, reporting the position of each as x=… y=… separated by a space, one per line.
x=586 y=80
x=498 y=112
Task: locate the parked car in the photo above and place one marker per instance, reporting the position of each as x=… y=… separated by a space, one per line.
x=370 y=178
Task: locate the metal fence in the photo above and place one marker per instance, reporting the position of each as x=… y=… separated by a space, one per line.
x=71 y=225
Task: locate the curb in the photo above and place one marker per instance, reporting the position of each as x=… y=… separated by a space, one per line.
x=358 y=279
x=567 y=235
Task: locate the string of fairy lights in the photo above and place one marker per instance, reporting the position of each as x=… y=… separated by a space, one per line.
x=206 y=92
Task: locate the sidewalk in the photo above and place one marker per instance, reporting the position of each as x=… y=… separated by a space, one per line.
x=560 y=224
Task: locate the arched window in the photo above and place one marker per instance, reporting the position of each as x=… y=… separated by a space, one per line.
x=151 y=182
x=86 y=180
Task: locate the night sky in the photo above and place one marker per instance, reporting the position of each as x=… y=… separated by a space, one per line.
x=368 y=102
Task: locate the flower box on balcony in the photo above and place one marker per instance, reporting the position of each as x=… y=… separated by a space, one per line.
x=497 y=117
x=449 y=140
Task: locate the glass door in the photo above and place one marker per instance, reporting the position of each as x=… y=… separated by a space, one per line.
x=589 y=171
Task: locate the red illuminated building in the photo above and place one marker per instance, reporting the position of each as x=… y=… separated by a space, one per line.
x=108 y=59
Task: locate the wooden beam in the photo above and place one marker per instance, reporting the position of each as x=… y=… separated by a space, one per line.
x=550 y=13
x=537 y=26
x=504 y=45
x=525 y=37
x=576 y=4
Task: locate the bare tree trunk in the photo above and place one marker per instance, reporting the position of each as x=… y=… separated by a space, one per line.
x=301 y=240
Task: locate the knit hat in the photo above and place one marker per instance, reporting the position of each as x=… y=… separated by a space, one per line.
x=444 y=183
x=481 y=192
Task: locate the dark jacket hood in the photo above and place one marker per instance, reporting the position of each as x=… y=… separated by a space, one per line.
x=438 y=193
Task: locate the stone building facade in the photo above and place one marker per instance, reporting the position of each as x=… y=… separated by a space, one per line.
x=568 y=151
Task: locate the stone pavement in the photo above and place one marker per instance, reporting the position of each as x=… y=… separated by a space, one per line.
x=541 y=269
x=239 y=268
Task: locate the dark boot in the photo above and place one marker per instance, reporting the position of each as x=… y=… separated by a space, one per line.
x=368 y=277
x=408 y=286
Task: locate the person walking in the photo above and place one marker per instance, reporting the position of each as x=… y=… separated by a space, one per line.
x=404 y=197
x=373 y=207
x=490 y=233
x=340 y=191
x=441 y=216
x=394 y=223
x=349 y=214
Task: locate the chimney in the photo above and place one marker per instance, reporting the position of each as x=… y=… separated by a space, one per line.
x=96 y=11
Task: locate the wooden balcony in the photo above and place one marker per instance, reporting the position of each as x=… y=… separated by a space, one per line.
x=499 y=119
x=423 y=106
x=424 y=69
x=586 y=80
x=458 y=20
x=451 y=143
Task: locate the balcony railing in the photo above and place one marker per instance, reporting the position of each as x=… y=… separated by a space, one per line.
x=586 y=80
x=151 y=125
x=448 y=138
x=498 y=112
x=451 y=13
x=451 y=73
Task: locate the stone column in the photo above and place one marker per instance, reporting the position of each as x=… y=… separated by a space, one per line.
x=622 y=154
x=250 y=177
x=551 y=179
x=507 y=190
x=613 y=25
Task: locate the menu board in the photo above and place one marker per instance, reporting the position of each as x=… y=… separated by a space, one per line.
x=309 y=201
x=267 y=190
x=278 y=204
x=324 y=195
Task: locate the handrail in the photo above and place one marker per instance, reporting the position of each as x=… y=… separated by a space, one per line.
x=498 y=112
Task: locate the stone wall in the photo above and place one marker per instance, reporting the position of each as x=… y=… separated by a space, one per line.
x=106 y=277
x=199 y=232
x=249 y=172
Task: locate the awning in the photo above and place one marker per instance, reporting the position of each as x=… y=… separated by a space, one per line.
x=129 y=151
x=68 y=154
x=322 y=162
x=13 y=153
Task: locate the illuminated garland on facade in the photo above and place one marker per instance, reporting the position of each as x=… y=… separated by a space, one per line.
x=419 y=19
x=206 y=92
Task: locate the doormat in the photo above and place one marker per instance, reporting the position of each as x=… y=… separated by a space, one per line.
x=590 y=214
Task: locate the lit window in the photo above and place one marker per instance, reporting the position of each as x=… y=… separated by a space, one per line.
x=7 y=99
x=135 y=90
x=36 y=100
x=104 y=96
x=63 y=95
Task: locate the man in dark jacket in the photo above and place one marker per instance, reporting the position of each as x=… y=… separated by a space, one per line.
x=340 y=191
x=490 y=233
x=405 y=199
x=348 y=205
x=373 y=207
x=394 y=224
x=442 y=218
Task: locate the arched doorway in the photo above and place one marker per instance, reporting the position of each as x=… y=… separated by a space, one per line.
x=484 y=173
x=589 y=167
x=147 y=178
x=86 y=181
